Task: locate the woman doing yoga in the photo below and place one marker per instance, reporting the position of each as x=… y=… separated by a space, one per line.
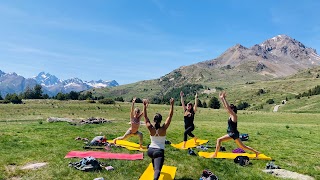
x=158 y=137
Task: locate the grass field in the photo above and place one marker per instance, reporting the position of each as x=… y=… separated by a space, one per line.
x=292 y=139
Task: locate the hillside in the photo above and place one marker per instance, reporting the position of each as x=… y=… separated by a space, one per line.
x=281 y=66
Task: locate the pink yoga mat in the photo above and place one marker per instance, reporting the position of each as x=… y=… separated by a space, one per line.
x=104 y=155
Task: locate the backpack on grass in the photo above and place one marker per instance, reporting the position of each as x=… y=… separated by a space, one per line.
x=244 y=137
x=208 y=175
x=87 y=164
x=242 y=160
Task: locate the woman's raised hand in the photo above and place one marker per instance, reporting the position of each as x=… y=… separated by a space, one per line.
x=145 y=102
x=222 y=94
x=171 y=101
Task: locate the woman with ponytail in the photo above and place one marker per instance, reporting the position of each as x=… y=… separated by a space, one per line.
x=232 y=131
x=158 y=137
x=135 y=116
x=188 y=116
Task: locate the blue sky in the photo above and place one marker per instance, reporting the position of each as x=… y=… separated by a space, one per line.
x=134 y=40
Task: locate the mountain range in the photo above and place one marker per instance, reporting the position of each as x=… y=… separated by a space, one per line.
x=51 y=85
x=278 y=57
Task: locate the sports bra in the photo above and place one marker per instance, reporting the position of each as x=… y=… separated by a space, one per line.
x=135 y=121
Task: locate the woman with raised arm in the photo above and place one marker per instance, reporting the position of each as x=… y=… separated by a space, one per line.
x=232 y=131
x=135 y=116
x=157 y=136
x=189 y=112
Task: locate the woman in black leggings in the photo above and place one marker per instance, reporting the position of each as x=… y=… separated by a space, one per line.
x=232 y=131
x=189 y=112
x=158 y=137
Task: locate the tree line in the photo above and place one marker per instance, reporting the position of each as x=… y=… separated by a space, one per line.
x=189 y=90
x=310 y=92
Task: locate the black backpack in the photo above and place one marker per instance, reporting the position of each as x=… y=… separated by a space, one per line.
x=244 y=137
x=242 y=160
x=87 y=164
x=191 y=152
x=208 y=175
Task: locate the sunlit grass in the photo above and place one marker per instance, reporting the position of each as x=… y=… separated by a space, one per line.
x=289 y=138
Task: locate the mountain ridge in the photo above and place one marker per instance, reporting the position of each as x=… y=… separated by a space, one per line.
x=278 y=57
x=51 y=85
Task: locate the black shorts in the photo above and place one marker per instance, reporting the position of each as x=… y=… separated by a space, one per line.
x=234 y=135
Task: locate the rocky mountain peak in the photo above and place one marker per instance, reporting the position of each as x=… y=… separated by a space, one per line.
x=237 y=48
x=13 y=83
x=73 y=80
x=278 y=56
x=2 y=73
x=101 y=83
x=46 y=79
x=284 y=44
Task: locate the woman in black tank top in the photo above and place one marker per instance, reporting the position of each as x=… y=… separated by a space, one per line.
x=232 y=131
x=188 y=116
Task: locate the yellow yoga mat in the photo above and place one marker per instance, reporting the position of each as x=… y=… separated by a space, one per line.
x=190 y=144
x=129 y=145
x=233 y=155
x=167 y=173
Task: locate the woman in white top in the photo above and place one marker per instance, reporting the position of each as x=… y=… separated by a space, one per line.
x=135 y=116
x=158 y=137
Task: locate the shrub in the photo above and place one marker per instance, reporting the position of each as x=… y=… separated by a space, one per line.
x=260 y=91
x=214 y=103
x=106 y=101
x=242 y=105
x=270 y=101
x=119 y=99
x=13 y=98
x=91 y=101
x=204 y=104
x=199 y=103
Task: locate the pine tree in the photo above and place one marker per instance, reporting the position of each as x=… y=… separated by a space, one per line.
x=214 y=103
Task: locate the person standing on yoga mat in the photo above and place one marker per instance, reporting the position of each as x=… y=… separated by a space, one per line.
x=232 y=131
x=189 y=112
x=135 y=116
x=158 y=137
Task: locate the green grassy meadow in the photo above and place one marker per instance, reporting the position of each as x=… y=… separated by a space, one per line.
x=290 y=138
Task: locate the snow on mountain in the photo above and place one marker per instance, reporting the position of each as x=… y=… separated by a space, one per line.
x=13 y=83
x=46 y=79
x=102 y=84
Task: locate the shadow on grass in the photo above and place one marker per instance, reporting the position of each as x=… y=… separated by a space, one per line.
x=184 y=178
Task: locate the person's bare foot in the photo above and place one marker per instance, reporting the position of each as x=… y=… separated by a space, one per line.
x=214 y=155
x=195 y=140
x=184 y=144
x=257 y=154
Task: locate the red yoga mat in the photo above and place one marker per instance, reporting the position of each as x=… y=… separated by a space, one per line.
x=104 y=155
